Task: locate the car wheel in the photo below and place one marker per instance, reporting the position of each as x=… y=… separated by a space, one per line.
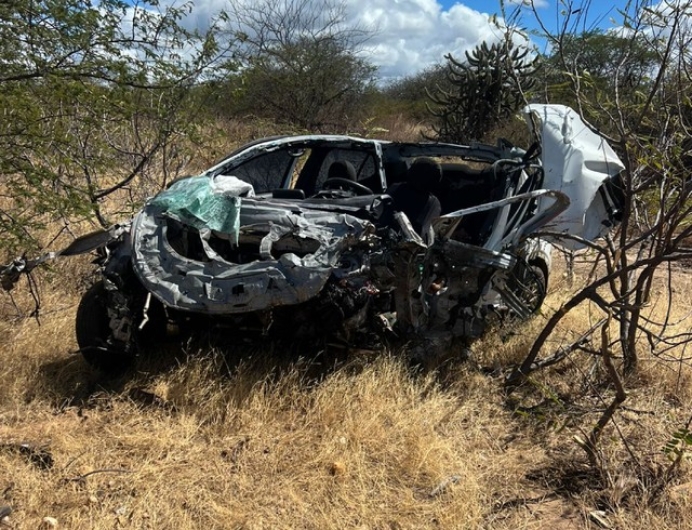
x=534 y=285
x=94 y=334
x=529 y=283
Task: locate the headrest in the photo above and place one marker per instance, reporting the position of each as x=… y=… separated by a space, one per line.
x=342 y=169
x=424 y=174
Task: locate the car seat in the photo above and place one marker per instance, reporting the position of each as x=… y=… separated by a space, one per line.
x=341 y=169
x=415 y=197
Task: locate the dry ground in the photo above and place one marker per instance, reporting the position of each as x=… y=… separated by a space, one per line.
x=254 y=438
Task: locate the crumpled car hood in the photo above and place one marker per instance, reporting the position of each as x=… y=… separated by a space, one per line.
x=214 y=285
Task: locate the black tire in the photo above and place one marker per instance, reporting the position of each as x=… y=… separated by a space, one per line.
x=529 y=283
x=536 y=280
x=94 y=334
x=541 y=268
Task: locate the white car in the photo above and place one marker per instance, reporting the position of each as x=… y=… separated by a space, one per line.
x=306 y=235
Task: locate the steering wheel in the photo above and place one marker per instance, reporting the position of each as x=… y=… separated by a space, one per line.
x=336 y=183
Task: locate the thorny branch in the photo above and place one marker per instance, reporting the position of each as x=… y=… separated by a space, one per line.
x=589 y=445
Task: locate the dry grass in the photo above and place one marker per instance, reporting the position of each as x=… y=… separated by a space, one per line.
x=253 y=438
x=395 y=128
x=246 y=439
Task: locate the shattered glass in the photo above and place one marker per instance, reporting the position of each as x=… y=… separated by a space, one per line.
x=212 y=203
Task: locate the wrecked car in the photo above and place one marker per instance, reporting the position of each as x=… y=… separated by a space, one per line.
x=302 y=236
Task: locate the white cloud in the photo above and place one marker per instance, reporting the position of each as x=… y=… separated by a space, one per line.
x=409 y=34
x=413 y=34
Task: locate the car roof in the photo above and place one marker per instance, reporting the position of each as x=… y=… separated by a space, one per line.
x=277 y=141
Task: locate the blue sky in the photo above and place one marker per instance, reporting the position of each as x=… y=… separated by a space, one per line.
x=599 y=12
x=411 y=35
x=414 y=33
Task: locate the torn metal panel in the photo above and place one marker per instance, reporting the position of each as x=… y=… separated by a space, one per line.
x=94 y=240
x=582 y=165
x=10 y=274
x=446 y=224
x=257 y=273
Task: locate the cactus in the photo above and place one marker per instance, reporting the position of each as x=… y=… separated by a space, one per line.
x=488 y=87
